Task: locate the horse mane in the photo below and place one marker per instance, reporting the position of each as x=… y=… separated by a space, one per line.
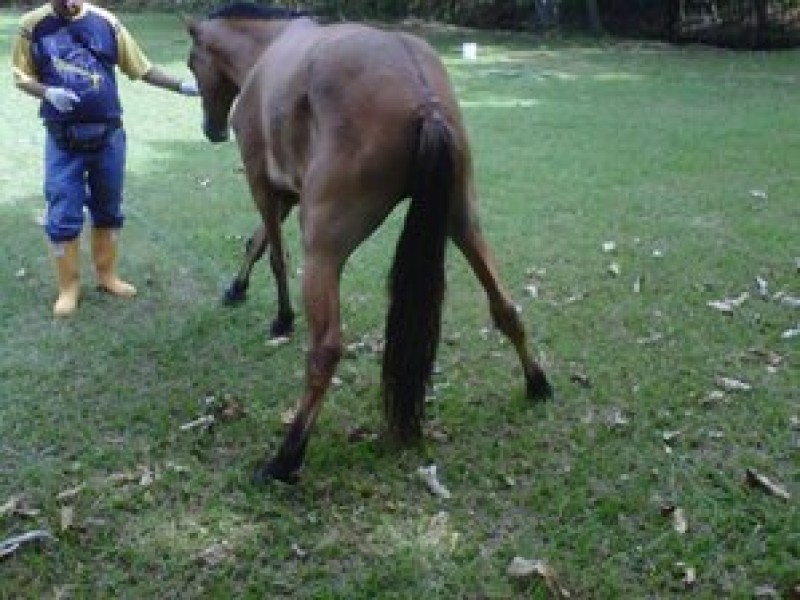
x=251 y=10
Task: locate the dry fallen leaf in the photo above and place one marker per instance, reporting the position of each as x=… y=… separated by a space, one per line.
x=540 y=272
x=679 y=522
x=733 y=385
x=229 y=409
x=787 y=300
x=713 y=397
x=147 y=477
x=287 y=416
x=70 y=493
x=763 y=482
x=762 y=287
x=215 y=555
x=12 y=544
x=766 y=591
x=582 y=379
x=678 y=515
x=176 y=468
x=204 y=421
x=728 y=304
x=298 y=552
x=617 y=420
x=64 y=592
x=123 y=477
x=10 y=505
x=609 y=246
x=689 y=574
x=361 y=433
x=791 y=333
x=653 y=338
x=18 y=505
x=429 y=476
x=67 y=517
x=522 y=568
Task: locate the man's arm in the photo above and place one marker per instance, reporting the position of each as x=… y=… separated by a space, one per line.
x=26 y=80
x=31 y=87
x=135 y=64
x=158 y=78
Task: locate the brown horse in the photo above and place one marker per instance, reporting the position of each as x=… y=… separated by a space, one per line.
x=345 y=122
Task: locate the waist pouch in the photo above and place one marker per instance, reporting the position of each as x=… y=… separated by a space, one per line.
x=83 y=137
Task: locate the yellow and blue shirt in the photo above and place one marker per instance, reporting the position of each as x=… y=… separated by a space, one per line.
x=79 y=54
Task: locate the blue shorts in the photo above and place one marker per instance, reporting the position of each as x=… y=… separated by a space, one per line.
x=74 y=179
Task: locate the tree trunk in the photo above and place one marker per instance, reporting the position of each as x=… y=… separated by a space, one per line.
x=761 y=10
x=673 y=20
x=546 y=13
x=593 y=17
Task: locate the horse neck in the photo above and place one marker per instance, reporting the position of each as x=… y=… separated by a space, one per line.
x=244 y=43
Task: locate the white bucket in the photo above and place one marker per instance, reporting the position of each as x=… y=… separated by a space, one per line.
x=469 y=50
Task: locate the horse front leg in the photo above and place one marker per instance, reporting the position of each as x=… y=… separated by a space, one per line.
x=283 y=324
x=469 y=239
x=256 y=245
x=274 y=206
x=321 y=293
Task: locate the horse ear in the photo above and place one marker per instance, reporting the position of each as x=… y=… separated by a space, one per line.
x=190 y=23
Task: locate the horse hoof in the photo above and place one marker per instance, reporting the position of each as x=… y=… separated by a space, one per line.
x=272 y=471
x=538 y=388
x=235 y=295
x=280 y=328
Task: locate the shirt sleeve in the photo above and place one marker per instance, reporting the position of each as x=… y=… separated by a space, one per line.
x=132 y=60
x=21 y=58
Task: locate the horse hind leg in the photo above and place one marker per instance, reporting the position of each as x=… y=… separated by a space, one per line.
x=321 y=293
x=504 y=314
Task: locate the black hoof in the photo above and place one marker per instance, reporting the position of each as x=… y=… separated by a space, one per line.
x=236 y=293
x=281 y=327
x=273 y=470
x=538 y=388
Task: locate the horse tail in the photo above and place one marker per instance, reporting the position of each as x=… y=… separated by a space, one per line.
x=417 y=280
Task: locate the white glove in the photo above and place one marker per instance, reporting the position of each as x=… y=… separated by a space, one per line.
x=188 y=88
x=61 y=98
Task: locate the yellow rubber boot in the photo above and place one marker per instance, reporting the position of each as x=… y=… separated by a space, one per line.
x=67 y=259
x=104 y=253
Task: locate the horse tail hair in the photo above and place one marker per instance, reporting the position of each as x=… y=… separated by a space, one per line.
x=417 y=280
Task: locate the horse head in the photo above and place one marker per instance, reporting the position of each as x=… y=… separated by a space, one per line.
x=217 y=88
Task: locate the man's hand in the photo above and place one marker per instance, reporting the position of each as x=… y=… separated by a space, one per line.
x=64 y=100
x=188 y=88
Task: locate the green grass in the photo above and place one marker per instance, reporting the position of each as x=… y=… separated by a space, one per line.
x=576 y=143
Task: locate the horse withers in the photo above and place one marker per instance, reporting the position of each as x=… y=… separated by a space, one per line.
x=345 y=122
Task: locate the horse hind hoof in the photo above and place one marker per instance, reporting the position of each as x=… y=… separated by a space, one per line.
x=272 y=471
x=538 y=388
x=235 y=295
x=281 y=328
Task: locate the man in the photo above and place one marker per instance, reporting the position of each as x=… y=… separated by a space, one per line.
x=65 y=55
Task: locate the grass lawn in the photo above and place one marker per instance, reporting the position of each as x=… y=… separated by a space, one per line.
x=627 y=184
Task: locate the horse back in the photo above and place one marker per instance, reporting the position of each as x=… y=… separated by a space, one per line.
x=346 y=93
